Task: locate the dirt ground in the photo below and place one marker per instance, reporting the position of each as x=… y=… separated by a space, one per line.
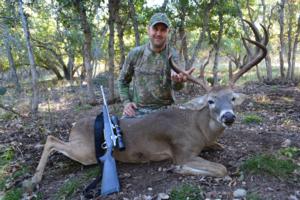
x=278 y=106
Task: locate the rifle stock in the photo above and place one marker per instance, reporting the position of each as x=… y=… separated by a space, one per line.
x=110 y=180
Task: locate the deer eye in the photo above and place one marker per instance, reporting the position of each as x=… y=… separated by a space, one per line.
x=211 y=102
x=233 y=99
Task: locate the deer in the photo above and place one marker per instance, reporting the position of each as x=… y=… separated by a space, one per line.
x=178 y=133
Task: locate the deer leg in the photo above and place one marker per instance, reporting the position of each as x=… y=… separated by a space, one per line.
x=215 y=146
x=200 y=166
x=70 y=149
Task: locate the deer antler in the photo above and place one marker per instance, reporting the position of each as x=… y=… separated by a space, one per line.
x=192 y=79
x=261 y=51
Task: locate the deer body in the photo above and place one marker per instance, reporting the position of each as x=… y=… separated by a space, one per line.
x=178 y=133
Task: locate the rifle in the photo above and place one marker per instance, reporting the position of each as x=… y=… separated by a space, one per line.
x=110 y=181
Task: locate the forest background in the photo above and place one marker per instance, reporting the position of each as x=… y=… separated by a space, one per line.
x=54 y=55
x=76 y=40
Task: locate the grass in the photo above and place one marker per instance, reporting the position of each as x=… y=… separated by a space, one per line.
x=14 y=194
x=7 y=155
x=252 y=119
x=290 y=152
x=6 y=116
x=253 y=196
x=83 y=107
x=186 y=191
x=269 y=164
x=68 y=189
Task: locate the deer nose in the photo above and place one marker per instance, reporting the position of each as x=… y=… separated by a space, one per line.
x=228 y=118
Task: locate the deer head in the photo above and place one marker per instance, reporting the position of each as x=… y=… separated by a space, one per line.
x=222 y=99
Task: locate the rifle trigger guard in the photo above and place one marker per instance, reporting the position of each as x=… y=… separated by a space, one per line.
x=103 y=145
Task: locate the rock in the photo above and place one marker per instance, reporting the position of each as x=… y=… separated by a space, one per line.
x=147 y=197
x=125 y=175
x=162 y=196
x=239 y=193
x=292 y=197
x=286 y=143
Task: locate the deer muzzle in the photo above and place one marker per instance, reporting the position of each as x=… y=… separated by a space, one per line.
x=228 y=118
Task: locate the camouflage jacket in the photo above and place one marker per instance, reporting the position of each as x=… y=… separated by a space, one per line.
x=150 y=74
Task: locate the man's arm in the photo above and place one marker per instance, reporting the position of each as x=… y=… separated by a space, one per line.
x=125 y=78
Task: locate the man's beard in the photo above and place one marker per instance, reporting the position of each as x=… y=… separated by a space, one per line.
x=158 y=45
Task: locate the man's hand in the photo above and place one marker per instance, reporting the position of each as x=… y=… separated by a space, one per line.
x=180 y=78
x=129 y=109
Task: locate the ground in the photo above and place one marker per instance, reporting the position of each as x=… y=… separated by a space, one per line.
x=277 y=106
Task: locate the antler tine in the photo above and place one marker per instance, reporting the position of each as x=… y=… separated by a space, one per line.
x=260 y=54
x=266 y=38
x=189 y=77
x=254 y=29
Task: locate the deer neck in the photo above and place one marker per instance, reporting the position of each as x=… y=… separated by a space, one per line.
x=210 y=128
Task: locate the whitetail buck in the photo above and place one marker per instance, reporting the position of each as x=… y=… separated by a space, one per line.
x=178 y=133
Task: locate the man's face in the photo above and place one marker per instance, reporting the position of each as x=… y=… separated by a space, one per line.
x=158 y=35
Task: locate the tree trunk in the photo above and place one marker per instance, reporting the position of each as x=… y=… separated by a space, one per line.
x=135 y=22
x=70 y=64
x=217 y=50
x=230 y=71
x=11 y=61
x=183 y=48
x=120 y=30
x=112 y=5
x=35 y=98
x=289 y=53
x=281 y=38
x=79 y=5
x=204 y=64
x=267 y=58
x=296 y=41
x=202 y=34
x=164 y=6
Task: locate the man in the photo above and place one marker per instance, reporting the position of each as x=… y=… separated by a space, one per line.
x=149 y=68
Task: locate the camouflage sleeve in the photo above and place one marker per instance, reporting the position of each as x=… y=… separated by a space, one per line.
x=125 y=77
x=176 y=59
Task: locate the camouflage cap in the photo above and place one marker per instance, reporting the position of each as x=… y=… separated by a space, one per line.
x=159 y=18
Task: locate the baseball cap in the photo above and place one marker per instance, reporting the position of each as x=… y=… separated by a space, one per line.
x=159 y=18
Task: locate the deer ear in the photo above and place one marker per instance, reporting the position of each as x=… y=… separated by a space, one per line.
x=239 y=98
x=195 y=104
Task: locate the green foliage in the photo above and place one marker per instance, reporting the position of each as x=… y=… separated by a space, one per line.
x=83 y=107
x=14 y=194
x=252 y=119
x=2 y=90
x=184 y=192
x=269 y=164
x=92 y=172
x=6 y=155
x=290 y=152
x=6 y=116
x=68 y=188
x=253 y=196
